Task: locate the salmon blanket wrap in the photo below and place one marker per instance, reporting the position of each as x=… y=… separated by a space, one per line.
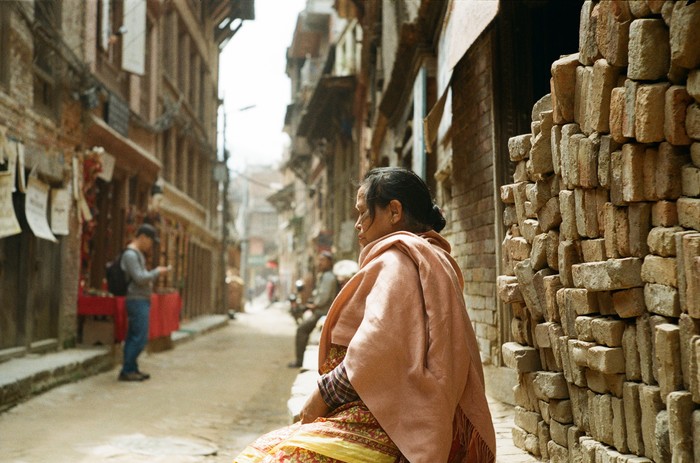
x=412 y=355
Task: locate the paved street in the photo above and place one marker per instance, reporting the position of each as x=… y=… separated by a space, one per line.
x=206 y=400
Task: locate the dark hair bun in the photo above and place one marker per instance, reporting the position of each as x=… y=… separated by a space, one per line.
x=437 y=219
x=385 y=184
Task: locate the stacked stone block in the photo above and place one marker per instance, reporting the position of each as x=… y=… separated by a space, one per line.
x=601 y=259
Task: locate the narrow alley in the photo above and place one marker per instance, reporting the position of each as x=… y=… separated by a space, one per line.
x=547 y=151
x=205 y=401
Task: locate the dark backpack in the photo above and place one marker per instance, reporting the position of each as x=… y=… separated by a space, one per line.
x=117 y=279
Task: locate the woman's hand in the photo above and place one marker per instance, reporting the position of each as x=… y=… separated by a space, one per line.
x=314 y=407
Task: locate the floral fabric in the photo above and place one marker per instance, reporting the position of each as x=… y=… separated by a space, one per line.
x=349 y=434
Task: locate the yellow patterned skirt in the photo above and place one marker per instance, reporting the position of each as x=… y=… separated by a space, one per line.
x=349 y=434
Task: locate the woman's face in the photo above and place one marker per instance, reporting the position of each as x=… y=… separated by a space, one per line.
x=383 y=223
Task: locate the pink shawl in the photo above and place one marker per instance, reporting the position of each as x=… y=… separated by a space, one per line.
x=412 y=354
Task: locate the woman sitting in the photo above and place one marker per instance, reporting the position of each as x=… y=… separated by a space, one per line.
x=401 y=377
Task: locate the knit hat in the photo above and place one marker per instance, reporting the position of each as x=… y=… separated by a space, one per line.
x=149 y=231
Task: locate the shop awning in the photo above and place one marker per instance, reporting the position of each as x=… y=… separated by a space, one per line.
x=190 y=213
x=467 y=20
x=128 y=155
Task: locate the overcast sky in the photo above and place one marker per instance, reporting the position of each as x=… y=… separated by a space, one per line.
x=252 y=72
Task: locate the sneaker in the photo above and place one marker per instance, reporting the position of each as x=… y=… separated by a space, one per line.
x=133 y=376
x=144 y=375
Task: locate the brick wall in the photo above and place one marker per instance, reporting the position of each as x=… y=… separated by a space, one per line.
x=602 y=251
x=472 y=202
x=49 y=145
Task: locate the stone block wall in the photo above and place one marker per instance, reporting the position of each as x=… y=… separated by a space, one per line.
x=602 y=254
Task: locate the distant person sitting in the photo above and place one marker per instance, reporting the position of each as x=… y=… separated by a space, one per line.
x=138 y=299
x=323 y=295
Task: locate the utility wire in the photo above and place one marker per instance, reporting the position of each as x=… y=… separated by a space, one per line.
x=257 y=182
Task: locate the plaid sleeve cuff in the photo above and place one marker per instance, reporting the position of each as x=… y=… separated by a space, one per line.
x=335 y=387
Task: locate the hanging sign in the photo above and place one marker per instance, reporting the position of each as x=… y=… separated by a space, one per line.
x=21 y=179
x=3 y=145
x=76 y=174
x=12 y=162
x=35 y=207
x=60 y=210
x=107 y=162
x=117 y=114
x=84 y=208
x=8 y=220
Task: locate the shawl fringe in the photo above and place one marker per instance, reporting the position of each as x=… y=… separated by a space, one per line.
x=472 y=447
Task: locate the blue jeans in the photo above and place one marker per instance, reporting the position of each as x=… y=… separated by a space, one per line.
x=137 y=311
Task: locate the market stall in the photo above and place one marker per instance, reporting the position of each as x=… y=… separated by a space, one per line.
x=164 y=316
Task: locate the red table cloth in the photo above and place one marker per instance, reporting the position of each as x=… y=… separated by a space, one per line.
x=164 y=317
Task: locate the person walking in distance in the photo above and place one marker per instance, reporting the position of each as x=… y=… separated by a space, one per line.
x=323 y=295
x=138 y=299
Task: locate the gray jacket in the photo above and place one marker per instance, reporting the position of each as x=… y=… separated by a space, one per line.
x=325 y=292
x=140 y=279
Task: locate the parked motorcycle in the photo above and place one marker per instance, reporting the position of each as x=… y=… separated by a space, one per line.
x=297 y=307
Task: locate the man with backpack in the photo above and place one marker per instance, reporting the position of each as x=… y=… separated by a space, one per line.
x=323 y=295
x=138 y=299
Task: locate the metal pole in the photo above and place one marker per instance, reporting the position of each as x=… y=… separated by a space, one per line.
x=225 y=219
x=226 y=213
x=244 y=239
x=243 y=210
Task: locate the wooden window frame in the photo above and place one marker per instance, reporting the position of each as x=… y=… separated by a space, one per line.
x=5 y=48
x=46 y=68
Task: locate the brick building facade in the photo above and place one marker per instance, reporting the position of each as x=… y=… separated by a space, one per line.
x=114 y=103
x=39 y=118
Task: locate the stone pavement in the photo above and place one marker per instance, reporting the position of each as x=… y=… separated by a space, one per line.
x=506 y=452
x=22 y=378
x=502 y=413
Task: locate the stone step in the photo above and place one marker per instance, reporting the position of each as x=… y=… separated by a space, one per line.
x=22 y=378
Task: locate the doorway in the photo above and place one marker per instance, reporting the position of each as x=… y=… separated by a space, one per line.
x=529 y=35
